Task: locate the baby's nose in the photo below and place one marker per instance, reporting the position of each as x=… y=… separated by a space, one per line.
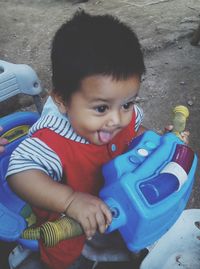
x=114 y=118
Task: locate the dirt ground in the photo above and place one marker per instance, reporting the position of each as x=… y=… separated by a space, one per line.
x=164 y=28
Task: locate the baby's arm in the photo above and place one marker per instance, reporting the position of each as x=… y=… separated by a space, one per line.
x=34 y=173
x=40 y=190
x=37 y=188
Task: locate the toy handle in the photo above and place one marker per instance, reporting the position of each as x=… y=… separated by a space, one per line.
x=181 y=113
x=52 y=233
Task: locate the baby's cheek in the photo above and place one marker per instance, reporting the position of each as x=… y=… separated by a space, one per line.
x=127 y=119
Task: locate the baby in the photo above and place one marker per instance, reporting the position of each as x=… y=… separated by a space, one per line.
x=90 y=118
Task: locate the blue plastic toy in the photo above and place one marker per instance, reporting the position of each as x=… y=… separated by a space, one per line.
x=148 y=187
x=15 y=79
x=12 y=223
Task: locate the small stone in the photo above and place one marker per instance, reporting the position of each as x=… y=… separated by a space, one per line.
x=190 y=102
x=182 y=83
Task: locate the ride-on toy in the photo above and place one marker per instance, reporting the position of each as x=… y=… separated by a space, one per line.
x=146 y=188
x=15 y=79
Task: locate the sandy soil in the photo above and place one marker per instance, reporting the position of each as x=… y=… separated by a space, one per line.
x=164 y=27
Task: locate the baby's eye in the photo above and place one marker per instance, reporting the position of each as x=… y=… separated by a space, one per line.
x=101 y=109
x=128 y=105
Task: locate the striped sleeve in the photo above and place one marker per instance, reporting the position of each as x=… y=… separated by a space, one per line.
x=32 y=153
x=138 y=117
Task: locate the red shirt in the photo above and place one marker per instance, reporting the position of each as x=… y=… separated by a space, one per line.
x=82 y=164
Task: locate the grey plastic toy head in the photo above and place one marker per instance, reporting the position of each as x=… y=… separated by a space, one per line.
x=17 y=78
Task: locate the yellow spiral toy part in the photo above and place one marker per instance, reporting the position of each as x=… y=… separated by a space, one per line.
x=52 y=233
x=180 y=115
x=183 y=110
x=31 y=233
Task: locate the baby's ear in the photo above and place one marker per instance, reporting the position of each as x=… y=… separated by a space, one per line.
x=62 y=107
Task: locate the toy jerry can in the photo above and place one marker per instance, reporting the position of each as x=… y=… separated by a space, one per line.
x=148 y=187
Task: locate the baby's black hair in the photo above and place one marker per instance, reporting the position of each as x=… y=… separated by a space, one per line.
x=93 y=45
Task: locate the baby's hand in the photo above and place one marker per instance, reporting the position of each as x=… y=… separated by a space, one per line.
x=184 y=136
x=3 y=142
x=91 y=212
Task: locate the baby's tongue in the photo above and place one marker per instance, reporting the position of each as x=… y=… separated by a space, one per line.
x=104 y=137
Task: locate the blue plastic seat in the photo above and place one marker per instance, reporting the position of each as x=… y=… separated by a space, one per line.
x=15 y=79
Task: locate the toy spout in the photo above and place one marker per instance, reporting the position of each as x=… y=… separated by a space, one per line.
x=181 y=113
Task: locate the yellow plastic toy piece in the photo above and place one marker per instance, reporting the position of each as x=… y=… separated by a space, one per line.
x=16 y=132
x=31 y=233
x=52 y=233
x=64 y=228
x=180 y=115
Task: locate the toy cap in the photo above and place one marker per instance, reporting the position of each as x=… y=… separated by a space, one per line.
x=181 y=109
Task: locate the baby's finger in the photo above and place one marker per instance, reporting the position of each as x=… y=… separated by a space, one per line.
x=106 y=211
x=93 y=225
x=3 y=141
x=86 y=227
x=185 y=133
x=169 y=128
x=101 y=221
x=185 y=136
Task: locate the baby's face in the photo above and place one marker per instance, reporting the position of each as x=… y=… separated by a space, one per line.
x=102 y=107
